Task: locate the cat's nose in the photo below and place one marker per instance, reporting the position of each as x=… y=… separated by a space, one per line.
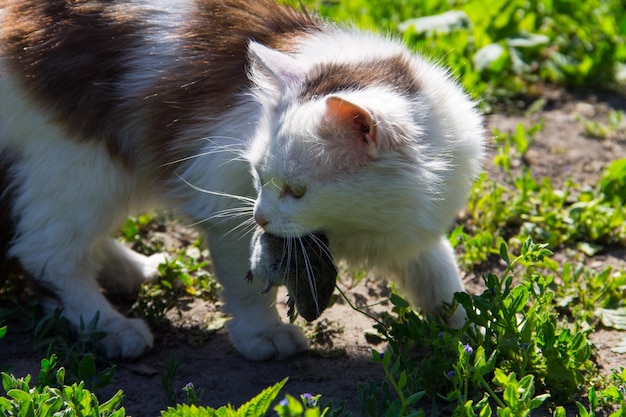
x=260 y=220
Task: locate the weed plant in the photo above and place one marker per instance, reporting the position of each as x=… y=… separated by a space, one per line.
x=182 y=276
x=586 y=218
x=52 y=396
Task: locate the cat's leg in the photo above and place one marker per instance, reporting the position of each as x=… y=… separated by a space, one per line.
x=63 y=209
x=124 y=270
x=430 y=280
x=69 y=272
x=255 y=328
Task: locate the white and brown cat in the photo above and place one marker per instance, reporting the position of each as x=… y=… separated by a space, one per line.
x=226 y=111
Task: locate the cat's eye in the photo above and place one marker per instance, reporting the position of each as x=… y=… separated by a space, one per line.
x=293 y=190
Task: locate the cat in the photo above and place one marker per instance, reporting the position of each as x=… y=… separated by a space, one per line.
x=233 y=113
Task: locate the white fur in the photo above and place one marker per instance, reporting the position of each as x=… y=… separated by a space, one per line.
x=347 y=46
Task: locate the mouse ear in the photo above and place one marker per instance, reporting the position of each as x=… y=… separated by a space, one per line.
x=284 y=69
x=353 y=122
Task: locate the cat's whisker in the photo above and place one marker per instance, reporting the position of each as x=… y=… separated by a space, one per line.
x=236 y=149
x=323 y=246
x=245 y=199
x=287 y=251
x=190 y=157
x=310 y=276
x=234 y=212
x=213 y=137
x=211 y=218
x=244 y=229
x=225 y=214
x=236 y=159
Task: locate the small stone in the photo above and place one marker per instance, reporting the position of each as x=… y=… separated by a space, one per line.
x=143 y=370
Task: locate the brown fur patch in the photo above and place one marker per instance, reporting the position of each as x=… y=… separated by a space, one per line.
x=70 y=55
x=213 y=65
x=395 y=72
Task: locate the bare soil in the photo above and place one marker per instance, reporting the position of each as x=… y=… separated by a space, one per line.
x=339 y=357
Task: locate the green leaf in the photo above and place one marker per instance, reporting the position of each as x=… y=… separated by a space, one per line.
x=402 y=380
x=387 y=358
x=376 y=357
x=26 y=409
x=20 y=396
x=398 y=301
x=113 y=403
x=415 y=397
x=488 y=55
x=8 y=381
x=47 y=365
x=613 y=318
x=485 y=411
x=593 y=399
x=186 y=410
x=87 y=367
x=519 y=297
x=394 y=409
x=520 y=139
x=500 y=378
x=582 y=411
x=504 y=253
x=589 y=248
x=60 y=376
x=441 y=23
x=510 y=395
x=559 y=412
x=538 y=401
x=259 y=405
x=528 y=40
x=613 y=182
x=225 y=411
x=6 y=406
x=293 y=408
x=526 y=385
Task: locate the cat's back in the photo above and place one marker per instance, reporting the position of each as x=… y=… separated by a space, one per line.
x=112 y=70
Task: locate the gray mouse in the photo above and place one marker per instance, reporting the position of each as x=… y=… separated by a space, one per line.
x=310 y=284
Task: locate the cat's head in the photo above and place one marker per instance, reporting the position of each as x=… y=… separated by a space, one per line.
x=376 y=145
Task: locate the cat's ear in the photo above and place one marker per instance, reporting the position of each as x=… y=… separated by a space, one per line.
x=285 y=70
x=355 y=122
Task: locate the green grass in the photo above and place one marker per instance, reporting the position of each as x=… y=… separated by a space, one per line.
x=527 y=344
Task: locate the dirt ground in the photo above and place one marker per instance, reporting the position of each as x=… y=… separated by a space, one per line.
x=339 y=357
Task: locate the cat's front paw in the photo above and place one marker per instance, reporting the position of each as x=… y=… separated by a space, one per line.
x=279 y=341
x=126 y=338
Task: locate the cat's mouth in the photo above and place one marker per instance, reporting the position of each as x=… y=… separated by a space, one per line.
x=292 y=233
x=288 y=231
